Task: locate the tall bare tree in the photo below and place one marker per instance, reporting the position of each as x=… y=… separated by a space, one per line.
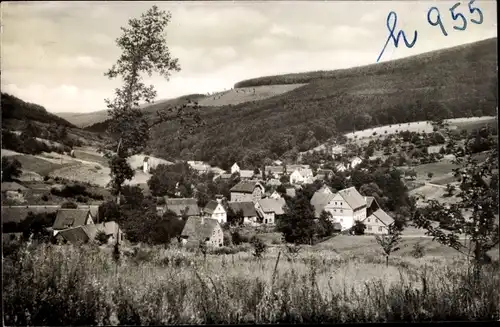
x=144 y=51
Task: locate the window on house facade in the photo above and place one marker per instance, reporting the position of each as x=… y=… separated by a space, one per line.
x=341 y=220
x=368 y=220
x=369 y=227
x=341 y=210
x=380 y=229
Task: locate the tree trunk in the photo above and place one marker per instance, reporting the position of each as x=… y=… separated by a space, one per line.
x=387 y=261
x=119 y=190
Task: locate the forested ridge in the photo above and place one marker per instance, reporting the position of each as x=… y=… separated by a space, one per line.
x=456 y=82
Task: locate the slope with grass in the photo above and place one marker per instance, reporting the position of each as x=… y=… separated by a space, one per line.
x=450 y=83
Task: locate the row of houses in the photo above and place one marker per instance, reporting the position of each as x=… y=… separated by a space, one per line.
x=247 y=197
x=70 y=225
x=348 y=206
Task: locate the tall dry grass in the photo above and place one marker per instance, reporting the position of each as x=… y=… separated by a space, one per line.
x=53 y=285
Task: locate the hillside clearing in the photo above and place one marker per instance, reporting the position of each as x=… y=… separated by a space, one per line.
x=246 y=94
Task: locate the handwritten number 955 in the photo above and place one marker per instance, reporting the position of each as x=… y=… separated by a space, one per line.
x=436 y=20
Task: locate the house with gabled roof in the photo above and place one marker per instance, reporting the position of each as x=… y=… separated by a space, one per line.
x=275 y=195
x=201 y=229
x=70 y=218
x=346 y=207
x=235 y=168
x=88 y=233
x=246 y=174
x=371 y=205
x=320 y=200
x=355 y=161
x=301 y=176
x=323 y=174
x=247 y=191
x=274 y=171
x=182 y=207
x=250 y=215
x=378 y=222
x=269 y=209
x=341 y=167
x=215 y=210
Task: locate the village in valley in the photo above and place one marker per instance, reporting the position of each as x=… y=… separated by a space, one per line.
x=367 y=192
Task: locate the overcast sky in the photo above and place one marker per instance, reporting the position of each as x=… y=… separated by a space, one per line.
x=55 y=53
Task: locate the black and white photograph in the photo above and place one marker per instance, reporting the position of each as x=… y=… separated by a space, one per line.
x=249 y=162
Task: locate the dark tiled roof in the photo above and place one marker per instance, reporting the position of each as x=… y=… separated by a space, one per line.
x=353 y=198
x=274 y=169
x=87 y=233
x=211 y=206
x=248 y=208
x=67 y=218
x=74 y=235
x=246 y=173
x=319 y=201
x=272 y=205
x=246 y=187
x=17 y=214
x=382 y=216
x=194 y=229
x=183 y=206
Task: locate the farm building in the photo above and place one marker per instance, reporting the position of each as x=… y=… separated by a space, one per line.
x=215 y=210
x=88 y=233
x=182 y=207
x=301 y=176
x=200 y=229
x=269 y=209
x=274 y=171
x=246 y=174
x=250 y=216
x=345 y=206
x=246 y=191
x=68 y=218
x=378 y=222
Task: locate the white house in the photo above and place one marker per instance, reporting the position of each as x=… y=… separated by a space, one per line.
x=346 y=207
x=269 y=209
x=145 y=165
x=300 y=176
x=215 y=210
x=276 y=195
x=340 y=167
x=356 y=161
x=235 y=168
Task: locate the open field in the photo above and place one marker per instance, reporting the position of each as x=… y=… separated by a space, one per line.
x=473 y=123
x=467 y=123
x=246 y=94
x=173 y=286
x=432 y=192
x=90 y=156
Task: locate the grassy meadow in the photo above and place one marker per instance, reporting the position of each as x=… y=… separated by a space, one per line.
x=342 y=280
